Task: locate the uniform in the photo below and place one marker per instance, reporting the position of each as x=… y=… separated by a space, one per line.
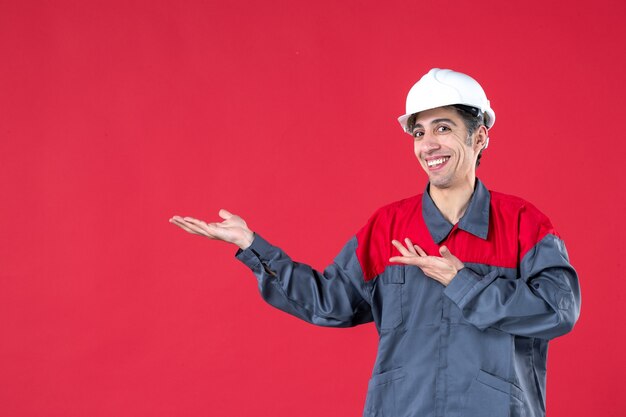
x=476 y=348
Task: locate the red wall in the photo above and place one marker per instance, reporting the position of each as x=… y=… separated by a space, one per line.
x=116 y=115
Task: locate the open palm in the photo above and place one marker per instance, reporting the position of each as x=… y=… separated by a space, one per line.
x=233 y=229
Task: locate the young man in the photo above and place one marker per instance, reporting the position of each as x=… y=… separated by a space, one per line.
x=466 y=286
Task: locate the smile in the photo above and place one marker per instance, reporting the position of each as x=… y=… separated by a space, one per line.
x=437 y=162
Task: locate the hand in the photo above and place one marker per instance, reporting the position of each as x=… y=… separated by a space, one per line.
x=440 y=269
x=232 y=230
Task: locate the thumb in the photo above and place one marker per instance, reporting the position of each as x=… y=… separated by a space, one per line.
x=225 y=214
x=447 y=255
x=445 y=252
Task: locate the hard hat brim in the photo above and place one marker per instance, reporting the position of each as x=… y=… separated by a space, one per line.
x=489 y=120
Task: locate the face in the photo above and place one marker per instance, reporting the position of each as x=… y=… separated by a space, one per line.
x=440 y=144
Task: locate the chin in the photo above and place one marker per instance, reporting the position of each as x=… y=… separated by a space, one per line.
x=441 y=183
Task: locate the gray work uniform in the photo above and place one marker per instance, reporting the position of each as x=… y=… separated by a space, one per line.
x=476 y=348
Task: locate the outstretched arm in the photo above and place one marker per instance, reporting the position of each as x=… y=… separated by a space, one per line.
x=335 y=297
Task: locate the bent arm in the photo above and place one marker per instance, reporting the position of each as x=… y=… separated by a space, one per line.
x=337 y=297
x=544 y=301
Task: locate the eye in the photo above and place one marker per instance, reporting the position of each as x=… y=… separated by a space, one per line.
x=418 y=134
x=442 y=129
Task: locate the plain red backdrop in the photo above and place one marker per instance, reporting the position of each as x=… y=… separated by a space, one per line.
x=116 y=115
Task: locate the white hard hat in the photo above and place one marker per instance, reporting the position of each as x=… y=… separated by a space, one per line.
x=444 y=87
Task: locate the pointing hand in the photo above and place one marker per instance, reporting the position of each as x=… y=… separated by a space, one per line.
x=441 y=269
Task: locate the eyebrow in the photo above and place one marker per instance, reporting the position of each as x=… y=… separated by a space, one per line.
x=435 y=121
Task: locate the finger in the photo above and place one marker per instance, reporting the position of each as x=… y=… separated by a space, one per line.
x=420 y=250
x=178 y=220
x=190 y=221
x=225 y=214
x=398 y=259
x=413 y=260
x=194 y=221
x=197 y=226
x=211 y=230
x=183 y=226
x=409 y=246
x=447 y=255
x=197 y=229
x=400 y=248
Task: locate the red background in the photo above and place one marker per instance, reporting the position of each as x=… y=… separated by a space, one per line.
x=116 y=115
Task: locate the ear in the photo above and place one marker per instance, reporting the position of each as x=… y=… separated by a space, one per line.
x=480 y=138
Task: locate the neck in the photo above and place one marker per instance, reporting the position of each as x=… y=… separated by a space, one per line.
x=453 y=201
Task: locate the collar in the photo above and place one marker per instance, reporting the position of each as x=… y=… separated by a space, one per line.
x=474 y=221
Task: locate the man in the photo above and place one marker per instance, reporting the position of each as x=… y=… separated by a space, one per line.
x=465 y=285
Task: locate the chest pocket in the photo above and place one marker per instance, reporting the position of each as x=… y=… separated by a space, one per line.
x=388 y=297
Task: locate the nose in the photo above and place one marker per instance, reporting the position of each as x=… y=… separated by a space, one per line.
x=429 y=142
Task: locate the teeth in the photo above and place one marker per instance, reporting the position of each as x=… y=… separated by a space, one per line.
x=437 y=161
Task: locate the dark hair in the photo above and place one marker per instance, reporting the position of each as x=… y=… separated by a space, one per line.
x=472 y=117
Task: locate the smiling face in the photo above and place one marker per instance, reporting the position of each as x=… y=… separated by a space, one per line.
x=443 y=148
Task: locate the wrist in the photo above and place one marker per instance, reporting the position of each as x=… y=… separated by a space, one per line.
x=247 y=240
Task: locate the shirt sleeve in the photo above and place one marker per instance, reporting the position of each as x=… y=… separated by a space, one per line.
x=543 y=302
x=336 y=297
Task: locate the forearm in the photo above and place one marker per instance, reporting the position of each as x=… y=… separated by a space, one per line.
x=543 y=302
x=329 y=298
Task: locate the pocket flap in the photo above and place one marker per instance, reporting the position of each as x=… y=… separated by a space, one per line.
x=393 y=275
